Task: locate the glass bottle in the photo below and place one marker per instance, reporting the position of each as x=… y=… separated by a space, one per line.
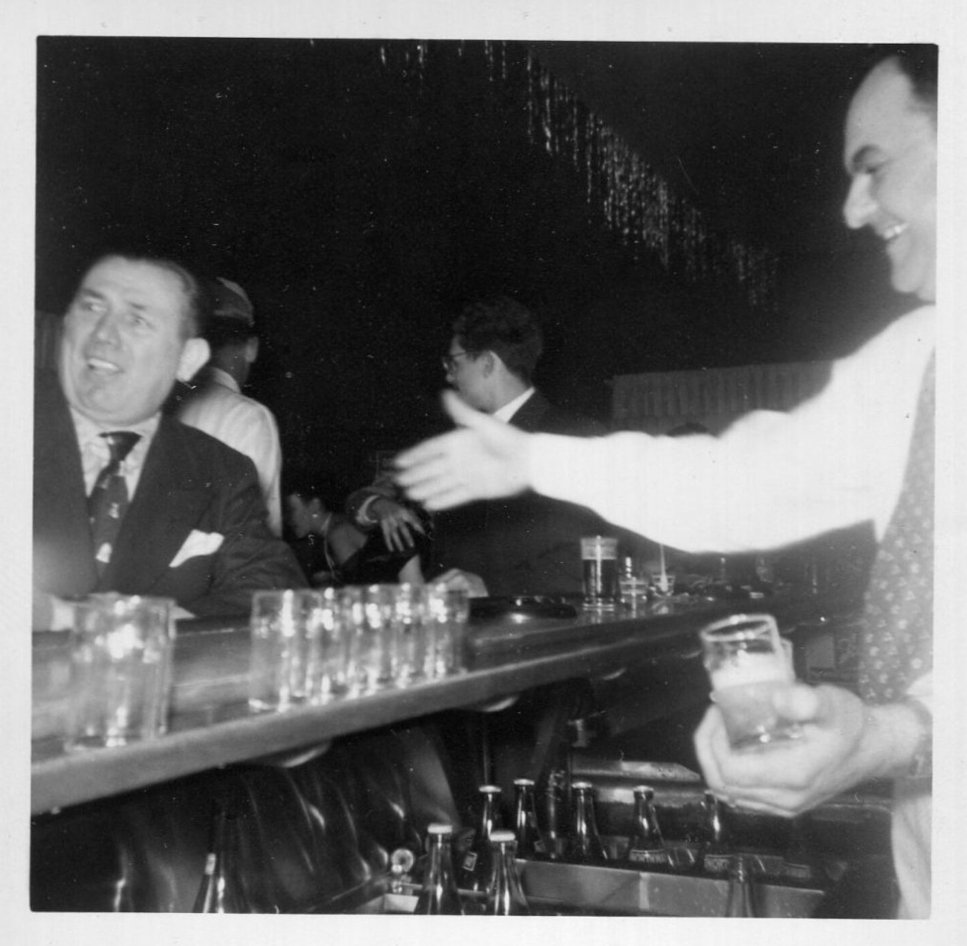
x=221 y=889
x=740 y=901
x=504 y=894
x=475 y=866
x=530 y=843
x=715 y=853
x=553 y=808
x=439 y=894
x=646 y=846
x=584 y=843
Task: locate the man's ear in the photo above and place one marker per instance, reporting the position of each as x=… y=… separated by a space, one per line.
x=489 y=363
x=195 y=353
x=252 y=350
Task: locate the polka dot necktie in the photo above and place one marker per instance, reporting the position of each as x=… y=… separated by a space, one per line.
x=109 y=497
x=897 y=642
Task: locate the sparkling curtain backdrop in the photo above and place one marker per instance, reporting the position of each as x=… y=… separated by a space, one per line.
x=636 y=201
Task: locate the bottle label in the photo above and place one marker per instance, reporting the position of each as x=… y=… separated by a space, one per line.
x=531 y=820
x=470 y=861
x=540 y=846
x=638 y=856
x=210 y=864
x=716 y=863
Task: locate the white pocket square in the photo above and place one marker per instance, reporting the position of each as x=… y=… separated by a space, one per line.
x=197 y=543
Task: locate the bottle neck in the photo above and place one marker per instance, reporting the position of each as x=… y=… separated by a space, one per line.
x=441 y=864
x=489 y=816
x=646 y=824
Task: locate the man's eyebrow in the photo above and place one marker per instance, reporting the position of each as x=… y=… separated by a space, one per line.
x=861 y=157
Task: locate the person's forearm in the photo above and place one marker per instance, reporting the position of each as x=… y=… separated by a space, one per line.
x=890 y=741
x=700 y=493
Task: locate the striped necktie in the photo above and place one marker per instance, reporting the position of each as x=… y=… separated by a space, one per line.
x=897 y=641
x=109 y=497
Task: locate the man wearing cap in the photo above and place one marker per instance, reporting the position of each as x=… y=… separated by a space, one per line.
x=216 y=403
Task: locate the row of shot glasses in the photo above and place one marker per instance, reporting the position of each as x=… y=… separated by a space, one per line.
x=311 y=646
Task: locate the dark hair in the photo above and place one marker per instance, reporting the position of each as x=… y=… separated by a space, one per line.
x=194 y=313
x=919 y=64
x=505 y=327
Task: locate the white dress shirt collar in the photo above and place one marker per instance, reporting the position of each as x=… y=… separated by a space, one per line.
x=95 y=452
x=224 y=379
x=506 y=413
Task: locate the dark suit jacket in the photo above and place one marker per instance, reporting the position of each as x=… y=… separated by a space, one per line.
x=525 y=545
x=191 y=484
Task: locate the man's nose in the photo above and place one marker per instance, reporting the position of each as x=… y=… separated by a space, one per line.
x=859 y=205
x=106 y=329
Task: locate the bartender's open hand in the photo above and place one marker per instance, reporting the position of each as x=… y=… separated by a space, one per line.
x=790 y=777
x=483 y=459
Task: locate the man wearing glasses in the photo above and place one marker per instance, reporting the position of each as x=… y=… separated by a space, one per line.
x=522 y=545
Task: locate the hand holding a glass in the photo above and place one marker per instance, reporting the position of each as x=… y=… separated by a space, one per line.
x=842 y=742
x=770 y=744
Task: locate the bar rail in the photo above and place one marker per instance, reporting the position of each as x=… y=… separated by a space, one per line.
x=211 y=724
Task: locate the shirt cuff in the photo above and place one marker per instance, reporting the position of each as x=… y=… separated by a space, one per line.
x=362 y=516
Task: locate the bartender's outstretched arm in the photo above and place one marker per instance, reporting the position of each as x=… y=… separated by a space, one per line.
x=482 y=459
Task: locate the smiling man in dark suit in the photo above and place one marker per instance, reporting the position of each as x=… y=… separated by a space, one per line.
x=190 y=522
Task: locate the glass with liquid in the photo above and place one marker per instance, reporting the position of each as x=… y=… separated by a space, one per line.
x=747 y=661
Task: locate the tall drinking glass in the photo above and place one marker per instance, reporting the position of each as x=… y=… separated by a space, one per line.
x=286 y=628
x=447 y=611
x=409 y=635
x=335 y=648
x=599 y=555
x=354 y=637
x=377 y=652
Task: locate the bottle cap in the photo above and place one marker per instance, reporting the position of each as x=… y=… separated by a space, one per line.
x=643 y=790
x=502 y=837
x=402 y=860
x=489 y=788
x=523 y=781
x=440 y=829
x=580 y=785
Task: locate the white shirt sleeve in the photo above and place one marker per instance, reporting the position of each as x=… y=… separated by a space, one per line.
x=770 y=479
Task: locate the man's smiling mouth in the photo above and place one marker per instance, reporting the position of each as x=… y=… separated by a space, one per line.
x=100 y=366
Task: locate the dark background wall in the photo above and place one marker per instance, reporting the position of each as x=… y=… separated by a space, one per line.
x=361 y=190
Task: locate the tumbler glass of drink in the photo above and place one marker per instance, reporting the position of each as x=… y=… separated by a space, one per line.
x=286 y=630
x=747 y=662
x=121 y=652
x=599 y=554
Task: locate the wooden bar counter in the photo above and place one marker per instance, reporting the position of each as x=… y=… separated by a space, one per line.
x=211 y=724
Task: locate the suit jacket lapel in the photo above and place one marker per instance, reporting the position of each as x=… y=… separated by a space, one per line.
x=166 y=506
x=529 y=416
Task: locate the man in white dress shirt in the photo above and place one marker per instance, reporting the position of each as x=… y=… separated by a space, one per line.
x=217 y=405
x=841 y=458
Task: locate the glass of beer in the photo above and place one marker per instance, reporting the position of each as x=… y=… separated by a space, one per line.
x=120 y=684
x=747 y=661
x=599 y=554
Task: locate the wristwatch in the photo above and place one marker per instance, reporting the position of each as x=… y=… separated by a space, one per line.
x=922 y=764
